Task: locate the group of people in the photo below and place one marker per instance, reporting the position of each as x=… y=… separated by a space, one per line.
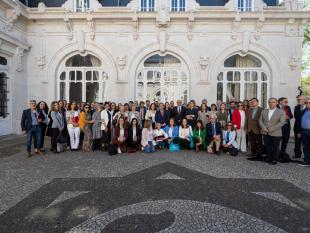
x=144 y=126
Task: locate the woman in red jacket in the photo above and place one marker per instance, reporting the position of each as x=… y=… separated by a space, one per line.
x=238 y=119
x=120 y=136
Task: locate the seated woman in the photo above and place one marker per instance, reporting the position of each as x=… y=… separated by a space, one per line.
x=159 y=136
x=172 y=131
x=134 y=136
x=200 y=136
x=120 y=136
x=147 y=138
x=185 y=134
x=230 y=145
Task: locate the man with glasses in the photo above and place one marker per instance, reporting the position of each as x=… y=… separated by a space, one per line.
x=305 y=133
x=286 y=129
x=30 y=125
x=271 y=122
x=297 y=125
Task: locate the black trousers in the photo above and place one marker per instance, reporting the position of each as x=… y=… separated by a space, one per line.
x=256 y=143
x=286 y=129
x=272 y=147
x=297 y=148
x=55 y=133
x=184 y=144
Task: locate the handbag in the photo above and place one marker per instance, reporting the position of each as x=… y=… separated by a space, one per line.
x=112 y=150
x=174 y=147
x=61 y=138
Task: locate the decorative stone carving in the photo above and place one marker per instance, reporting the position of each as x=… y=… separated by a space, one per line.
x=291 y=28
x=135 y=26
x=121 y=62
x=246 y=40
x=291 y=5
x=190 y=25
x=162 y=37
x=41 y=7
x=204 y=62
x=69 y=27
x=81 y=40
x=19 y=53
x=91 y=25
x=259 y=26
x=236 y=27
x=41 y=61
x=163 y=17
x=259 y=5
x=12 y=18
x=294 y=61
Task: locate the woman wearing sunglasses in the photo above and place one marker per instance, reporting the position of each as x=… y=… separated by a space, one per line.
x=230 y=145
x=85 y=123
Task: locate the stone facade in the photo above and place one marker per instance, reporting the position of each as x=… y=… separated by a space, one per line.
x=37 y=42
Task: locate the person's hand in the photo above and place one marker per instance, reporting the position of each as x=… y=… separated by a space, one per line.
x=299 y=135
x=24 y=132
x=39 y=120
x=265 y=130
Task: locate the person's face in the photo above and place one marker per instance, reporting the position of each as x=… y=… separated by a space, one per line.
x=121 y=108
x=199 y=125
x=301 y=100
x=134 y=122
x=272 y=103
x=232 y=105
x=161 y=106
x=167 y=105
x=213 y=108
x=179 y=102
x=60 y=104
x=254 y=103
x=192 y=105
x=121 y=121
x=133 y=107
x=113 y=106
x=223 y=106
x=158 y=126
x=86 y=108
x=184 y=122
x=204 y=107
x=229 y=126
x=212 y=119
x=171 y=103
x=126 y=108
x=73 y=105
x=284 y=102
x=98 y=107
x=32 y=104
x=240 y=106
x=107 y=107
x=42 y=105
x=171 y=122
x=142 y=105
x=56 y=106
x=148 y=103
x=307 y=104
x=82 y=105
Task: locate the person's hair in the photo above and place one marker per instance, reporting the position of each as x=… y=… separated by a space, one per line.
x=281 y=99
x=134 y=119
x=147 y=124
x=232 y=102
x=182 y=126
x=272 y=98
x=172 y=118
x=232 y=126
x=141 y=102
x=203 y=104
x=153 y=104
x=69 y=106
x=193 y=101
x=214 y=106
x=45 y=109
x=221 y=105
x=202 y=126
x=254 y=99
x=52 y=106
x=124 y=125
x=105 y=103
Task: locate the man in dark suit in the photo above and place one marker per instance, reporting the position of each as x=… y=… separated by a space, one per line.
x=213 y=135
x=286 y=129
x=178 y=112
x=30 y=124
x=254 y=131
x=142 y=111
x=161 y=115
x=297 y=125
x=231 y=109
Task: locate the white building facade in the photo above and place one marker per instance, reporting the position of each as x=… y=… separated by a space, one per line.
x=90 y=50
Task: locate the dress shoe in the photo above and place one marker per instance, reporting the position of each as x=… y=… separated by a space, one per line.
x=39 y=152
x=255 y=158
x=273 y=162
x=29 y=154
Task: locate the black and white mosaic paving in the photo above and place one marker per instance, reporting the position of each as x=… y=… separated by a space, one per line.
x=164 y=197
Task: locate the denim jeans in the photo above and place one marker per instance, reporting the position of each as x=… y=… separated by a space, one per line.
x=150 y=148
x=305 y=137
x=34 y=131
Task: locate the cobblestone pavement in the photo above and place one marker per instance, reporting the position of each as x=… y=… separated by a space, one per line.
x=76 y=192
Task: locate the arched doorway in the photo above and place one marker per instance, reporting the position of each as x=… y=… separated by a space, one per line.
x=243 y=77
x=82 y=79
x=162 y=78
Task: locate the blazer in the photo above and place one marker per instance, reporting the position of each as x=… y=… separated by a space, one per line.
x=287 y=112
x=209 y=135
x=130 y=135
x=297 y=116
x=26 y=121
x=202 y=135
x=231 y=139
x=163 y=119
x=144 y=112
x=274 y=124
x=178 y=116
x=117 y=134
x=236 y=118
x=175 y=131
x=58 y=120
x=251 y=123
x=194 y=112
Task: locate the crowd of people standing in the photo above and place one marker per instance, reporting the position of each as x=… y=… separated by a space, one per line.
x=232 y=127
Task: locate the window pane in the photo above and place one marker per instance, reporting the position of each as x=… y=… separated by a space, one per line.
x=250 y=90
x=63 y=76
x=72 y=75
x=167 y=76
x=88 y=76
x=264 y=95
x=239 y=61
x=264 y=77
x=183 y=77
x=233 y=91
x=230 y=75
x=157 y=76
x=153 y=91
x=62 y=90
x=220 y=77
x=151 y=5
x=254 y=76
x=92 y=92
x=140 y=89
x=75 y=93
x=79 y=75
x=174 y=76
x=237 y=76
x=220 y=91
x=149 y=76
x=83 y=61
x=95 y=75
x=247 y=76
x=3 y=95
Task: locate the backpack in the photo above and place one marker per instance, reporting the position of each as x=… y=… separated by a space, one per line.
x=112 y=150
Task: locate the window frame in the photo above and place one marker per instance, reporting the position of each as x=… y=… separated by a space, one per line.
x=178 y=7
x=83 y=8
x=148 y=7
x=245 y=5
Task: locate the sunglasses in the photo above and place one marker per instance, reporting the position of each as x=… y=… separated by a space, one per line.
x=86 y=107
x=229 y=125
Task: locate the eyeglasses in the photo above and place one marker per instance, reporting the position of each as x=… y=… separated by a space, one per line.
x=229 y=125
x=86 y=107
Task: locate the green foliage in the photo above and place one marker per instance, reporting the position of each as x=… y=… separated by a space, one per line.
x=305 y=84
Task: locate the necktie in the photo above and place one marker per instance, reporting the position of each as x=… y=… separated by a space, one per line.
x=179 y=109
x=213 y=129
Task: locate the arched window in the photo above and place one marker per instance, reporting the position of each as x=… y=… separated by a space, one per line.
x=82 y=79
x=243 y=77
x=147 y=5
x=162 y=78
x=178 y=5
x=3 y=95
